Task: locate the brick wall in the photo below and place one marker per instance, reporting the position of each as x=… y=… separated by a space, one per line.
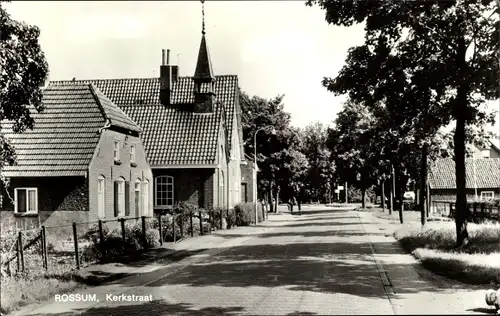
x=61 y=201
x=193 y=186
x=103 y=165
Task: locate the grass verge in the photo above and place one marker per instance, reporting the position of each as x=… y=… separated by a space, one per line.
x=478 y=262
x=26 y=289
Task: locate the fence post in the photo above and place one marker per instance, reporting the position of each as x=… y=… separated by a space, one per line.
x=18 y=256
x=122 y=224
x=191 y=222
x=210 y=224
x=75 y=237
x=44 y=241
x=201 y=223
x=144 y=240
x=160 y=229
x=21 y=251
x=173 y=226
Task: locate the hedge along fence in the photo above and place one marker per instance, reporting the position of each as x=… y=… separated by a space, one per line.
x=107 y=240
x=45 y=247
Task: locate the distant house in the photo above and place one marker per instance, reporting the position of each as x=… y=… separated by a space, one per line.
x=482 y=176
x=192 y=131
x=83 y=161
x=489 y=151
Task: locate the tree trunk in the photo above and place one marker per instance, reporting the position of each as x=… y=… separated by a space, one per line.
x=461 y=202
x=363 y=197
x=461 y=109
x=271 y=205
x=382 y=196
x=402 y=188
x=423 y=186
x=276 y=202
x=391 y=198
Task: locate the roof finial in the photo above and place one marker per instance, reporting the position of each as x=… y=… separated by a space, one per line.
x=203 y=17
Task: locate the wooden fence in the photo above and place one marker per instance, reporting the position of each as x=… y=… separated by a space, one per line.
x=477 y=211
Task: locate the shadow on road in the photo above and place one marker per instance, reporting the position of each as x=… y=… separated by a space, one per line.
x=153 y=308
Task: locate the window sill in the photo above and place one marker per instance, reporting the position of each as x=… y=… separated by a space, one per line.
x=133 y=164
x=164 y=207
x=118 y=162
x=33 y=214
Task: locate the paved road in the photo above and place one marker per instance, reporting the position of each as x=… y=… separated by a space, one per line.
x=320 y=262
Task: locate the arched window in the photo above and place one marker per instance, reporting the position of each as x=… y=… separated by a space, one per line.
x=145 y=198
x=164 y=192
x=119 y=197
x=138 y=197
x=101 y=197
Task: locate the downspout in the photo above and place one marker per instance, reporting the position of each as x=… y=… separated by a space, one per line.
x=106 y=125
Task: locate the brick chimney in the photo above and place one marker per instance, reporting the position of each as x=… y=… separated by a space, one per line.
x=168 y=77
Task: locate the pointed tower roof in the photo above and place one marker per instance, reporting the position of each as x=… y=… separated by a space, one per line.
x=204 y=71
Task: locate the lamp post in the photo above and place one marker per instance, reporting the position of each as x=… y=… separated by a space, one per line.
x=273 y=131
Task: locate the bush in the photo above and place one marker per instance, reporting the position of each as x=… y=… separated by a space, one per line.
x=245 y=214
x=216 y=217
x=231 y=218
x=114 y=246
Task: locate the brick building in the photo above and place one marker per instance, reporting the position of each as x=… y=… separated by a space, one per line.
x=83 y=161
x=192 y=131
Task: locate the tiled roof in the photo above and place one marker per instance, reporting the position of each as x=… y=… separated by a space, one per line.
x=64 y=136
x=175 y=137
x=487 y=171
x=133 y=94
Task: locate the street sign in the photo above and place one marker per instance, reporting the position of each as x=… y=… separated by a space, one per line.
x=340 y=187
x=337 y=190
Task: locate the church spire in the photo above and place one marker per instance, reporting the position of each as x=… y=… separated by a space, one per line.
x=204 y=71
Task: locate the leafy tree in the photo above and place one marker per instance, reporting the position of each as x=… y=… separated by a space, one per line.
x=351 y=143
x=23 y=72
x=273 y=141
x=427 y=65
x=319 y=178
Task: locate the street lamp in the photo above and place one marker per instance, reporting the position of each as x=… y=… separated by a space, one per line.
x=273 y=132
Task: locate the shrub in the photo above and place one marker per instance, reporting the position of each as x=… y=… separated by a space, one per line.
x=245 y=213
x=230 y=218
x=114 y=246
x=216 y=217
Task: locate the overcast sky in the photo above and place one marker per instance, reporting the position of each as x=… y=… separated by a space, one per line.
x=275 y=47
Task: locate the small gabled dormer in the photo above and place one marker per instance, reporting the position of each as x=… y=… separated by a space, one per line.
x=204 y=79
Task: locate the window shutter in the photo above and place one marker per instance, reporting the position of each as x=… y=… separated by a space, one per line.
x=115 y=195
x=127 y=198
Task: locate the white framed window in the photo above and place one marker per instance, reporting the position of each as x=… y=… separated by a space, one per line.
x=487 y=195
x=26 y=200
x=116 y=150
x=138 y=197
x=101 y=213
x=164 y=192
x=145 y=198
x=120 y=197
x=132 y=154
